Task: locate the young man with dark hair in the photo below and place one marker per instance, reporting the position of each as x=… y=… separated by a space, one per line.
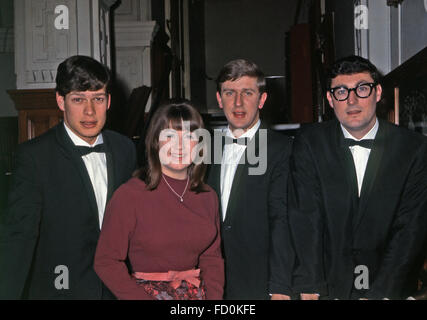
x=60 y=186
x=358 y=196
x=254 y=225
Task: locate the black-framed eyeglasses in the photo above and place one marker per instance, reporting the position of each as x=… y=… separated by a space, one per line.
x=362 y=90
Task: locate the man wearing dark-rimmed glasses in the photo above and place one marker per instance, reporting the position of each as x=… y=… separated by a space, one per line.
x=358 y=196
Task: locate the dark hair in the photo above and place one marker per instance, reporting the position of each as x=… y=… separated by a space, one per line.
x=171 y=115
x=236 y=69
x=351 y=65
x=81 y=73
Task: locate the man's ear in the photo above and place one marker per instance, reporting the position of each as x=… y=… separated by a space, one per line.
x=218 y=98
x=262 y=100
x=378 y=92
x=60 y=100
x=329 y=97
x=109 y=101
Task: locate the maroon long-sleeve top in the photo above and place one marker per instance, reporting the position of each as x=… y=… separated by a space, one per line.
x=159 y=233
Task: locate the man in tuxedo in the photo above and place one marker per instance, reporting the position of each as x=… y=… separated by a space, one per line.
x=60 y=186
x=252 y=193
x=358 y=196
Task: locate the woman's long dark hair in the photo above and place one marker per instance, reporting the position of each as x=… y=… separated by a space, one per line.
x=171 y=114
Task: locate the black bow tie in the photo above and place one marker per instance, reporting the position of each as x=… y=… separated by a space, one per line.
x=82 y=150
x=241 y=141
x=366 y=143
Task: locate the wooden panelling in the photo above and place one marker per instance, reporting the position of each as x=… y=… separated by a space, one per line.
x=302 y=110
x=37 y=110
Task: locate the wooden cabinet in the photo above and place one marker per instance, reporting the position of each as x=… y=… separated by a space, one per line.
x=37 y=111
x=405 y=94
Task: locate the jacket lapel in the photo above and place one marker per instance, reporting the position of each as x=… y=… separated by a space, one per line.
x=371 y=171
x=214 y=181
x=111 y=168
x=214 y=170
x=239 y=180
x=349 y=170
x=67 y=147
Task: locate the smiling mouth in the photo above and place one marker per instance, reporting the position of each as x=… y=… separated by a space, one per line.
x=177 y=155
x=179 y=159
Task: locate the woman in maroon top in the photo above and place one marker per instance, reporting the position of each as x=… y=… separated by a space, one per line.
x=165 y=219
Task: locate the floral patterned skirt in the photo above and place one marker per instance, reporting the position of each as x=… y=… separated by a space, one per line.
x=162 y=290
x=172 y=285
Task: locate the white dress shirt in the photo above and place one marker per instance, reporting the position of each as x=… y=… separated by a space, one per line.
x=96 y=166
x=230 y=159
x=361 y=154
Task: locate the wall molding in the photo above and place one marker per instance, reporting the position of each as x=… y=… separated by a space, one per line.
x=133 y=53
x=40 y=46
x=135 y=34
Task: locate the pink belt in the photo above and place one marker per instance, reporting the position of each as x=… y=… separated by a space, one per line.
x=174 y=277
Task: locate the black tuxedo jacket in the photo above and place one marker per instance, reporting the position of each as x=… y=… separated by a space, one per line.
x=52 y=218
x=255 y=237
x=334 y=230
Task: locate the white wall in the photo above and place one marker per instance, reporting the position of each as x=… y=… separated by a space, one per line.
x=379 y=35
x=394 y=34
x=414 y=28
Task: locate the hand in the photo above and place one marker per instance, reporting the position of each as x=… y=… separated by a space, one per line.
x=277 y=296
x=309 y=296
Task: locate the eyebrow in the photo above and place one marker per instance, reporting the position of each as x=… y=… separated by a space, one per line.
x=243 y=89
x=357 y=84
x=83 y=95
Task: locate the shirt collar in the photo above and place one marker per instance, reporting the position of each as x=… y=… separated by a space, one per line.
x=79 y=141
x=248 y=134
x=370 y=135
